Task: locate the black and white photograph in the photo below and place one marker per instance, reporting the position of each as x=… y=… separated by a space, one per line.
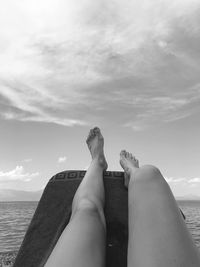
x=99 y=133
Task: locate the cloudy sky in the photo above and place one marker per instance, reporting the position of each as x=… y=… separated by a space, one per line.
x=130 y=67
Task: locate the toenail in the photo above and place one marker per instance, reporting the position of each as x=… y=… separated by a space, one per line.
x=96 y=129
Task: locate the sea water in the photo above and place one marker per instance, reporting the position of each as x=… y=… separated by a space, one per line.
x=16 y=216
x=14 y=220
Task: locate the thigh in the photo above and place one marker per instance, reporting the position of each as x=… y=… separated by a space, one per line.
x=82 y=243
x=158 y=235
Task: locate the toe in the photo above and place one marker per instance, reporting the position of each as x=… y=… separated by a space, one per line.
x=127 y=154
x=123 y=153
x=90 y=136
x=136 y=161
x=91 y=133
x=96 y=130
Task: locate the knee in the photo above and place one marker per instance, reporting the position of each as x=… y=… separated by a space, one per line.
x=87 y=205
x=91 y=208
x=150 y=169
x=149 y=173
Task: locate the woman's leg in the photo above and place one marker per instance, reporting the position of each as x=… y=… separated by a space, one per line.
x=158 y=235
x=83 y=241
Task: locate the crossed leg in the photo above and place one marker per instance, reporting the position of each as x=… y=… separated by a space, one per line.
x=158 y=235
x=83 y=241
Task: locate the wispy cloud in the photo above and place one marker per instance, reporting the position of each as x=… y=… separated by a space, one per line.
x=17 y=174
x=177 y=180
x=27 y=160
x=62 y=159
x=173 y=180
x=139 y=60
x=194 y=180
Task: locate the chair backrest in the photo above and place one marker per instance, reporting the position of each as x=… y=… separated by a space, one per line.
x=53 y=214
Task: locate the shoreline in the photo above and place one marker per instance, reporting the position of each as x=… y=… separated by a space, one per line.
x=8 y=258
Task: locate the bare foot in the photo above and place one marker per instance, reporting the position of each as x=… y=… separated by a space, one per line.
x=129 y=163
x=95 y=144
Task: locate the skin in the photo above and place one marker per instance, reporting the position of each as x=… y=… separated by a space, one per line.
x=158 y=236
x=83 y=241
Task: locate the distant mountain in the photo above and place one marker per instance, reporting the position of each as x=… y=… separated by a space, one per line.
x=188 y=197
x=16 y=195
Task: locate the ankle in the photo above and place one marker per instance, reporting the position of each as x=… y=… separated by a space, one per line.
x=132 y=176
x=96 y=161
x=99 y=162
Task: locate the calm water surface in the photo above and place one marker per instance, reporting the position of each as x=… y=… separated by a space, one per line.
x=14 y=220
x=192 y=211
x=16 y=216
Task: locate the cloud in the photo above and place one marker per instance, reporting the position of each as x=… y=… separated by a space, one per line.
x=62 y=159
x=28 y=104
x=183 y=180
x=17 y=174
x=157 y=108
x=194 y=180
x=27 y=160
x=176 y=180
x=71 y=63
